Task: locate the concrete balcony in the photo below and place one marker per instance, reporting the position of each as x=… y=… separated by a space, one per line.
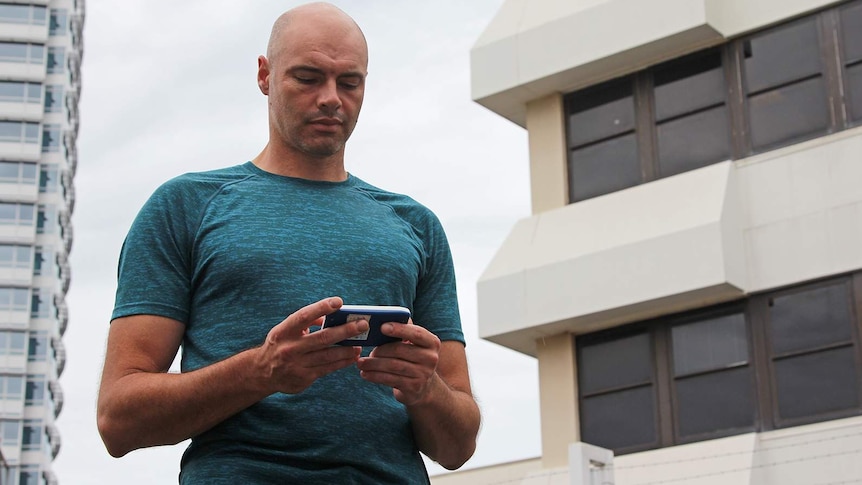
x=21 y=111
x=19 y=151
x=12 y=32
x=22 y=71
x=20 y=192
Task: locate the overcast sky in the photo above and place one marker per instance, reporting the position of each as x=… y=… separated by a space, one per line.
x=169 y=87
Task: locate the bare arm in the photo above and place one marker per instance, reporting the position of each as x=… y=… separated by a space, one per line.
x=431 y=379
x=141 y=405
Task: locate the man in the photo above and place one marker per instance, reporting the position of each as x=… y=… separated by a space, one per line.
x=215 y=260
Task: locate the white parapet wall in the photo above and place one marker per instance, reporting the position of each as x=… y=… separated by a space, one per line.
x=817 y=454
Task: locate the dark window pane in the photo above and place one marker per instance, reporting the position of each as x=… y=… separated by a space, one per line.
x=601 y=111
x=8 y=212
x=12 y=91
x=621 y=362
x=9 y=171
x=15 y=13
x=788 y=113
x=715 y=402
x=693 y=141
x=786 y=54
x=604 y=168
x=10 y=131
x=26 y=212
x=851 y=31
x=620 y=419
x=11 y=51
x=688 y=85
x=811 y=318
x=854 y=91
x=709 y=344
x=818 y=383
x=28 y=172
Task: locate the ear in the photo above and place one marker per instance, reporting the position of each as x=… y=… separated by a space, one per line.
x=263 y=73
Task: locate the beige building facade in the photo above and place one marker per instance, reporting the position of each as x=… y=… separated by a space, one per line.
x=690 y=279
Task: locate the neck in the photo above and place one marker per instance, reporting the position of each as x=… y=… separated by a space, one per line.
x=281 y=161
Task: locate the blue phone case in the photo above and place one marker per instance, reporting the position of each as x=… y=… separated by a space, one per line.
x=374 y=315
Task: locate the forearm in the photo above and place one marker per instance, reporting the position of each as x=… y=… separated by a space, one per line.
x=143 y=408
x=445 y=424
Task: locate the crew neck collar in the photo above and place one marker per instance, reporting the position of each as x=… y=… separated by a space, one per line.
x=251 y=167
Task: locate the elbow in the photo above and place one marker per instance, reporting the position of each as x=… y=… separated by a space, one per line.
x=112 y=437
x=458 y=459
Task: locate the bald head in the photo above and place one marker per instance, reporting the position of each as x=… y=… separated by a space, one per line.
x=320 y=17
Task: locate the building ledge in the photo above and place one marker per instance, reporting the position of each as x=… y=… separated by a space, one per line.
x=533 y=48
x=667 y=246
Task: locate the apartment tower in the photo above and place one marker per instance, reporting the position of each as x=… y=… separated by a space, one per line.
x=40 y=85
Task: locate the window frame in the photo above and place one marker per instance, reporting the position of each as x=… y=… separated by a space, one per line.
x=833 y=72
x=763 y=378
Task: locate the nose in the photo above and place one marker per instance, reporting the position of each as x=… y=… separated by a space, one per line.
x=328 y=100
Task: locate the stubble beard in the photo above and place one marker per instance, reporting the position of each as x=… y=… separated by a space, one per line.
x=316 y=145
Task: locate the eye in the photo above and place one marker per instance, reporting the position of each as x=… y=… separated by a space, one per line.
x=350 y=83
x=304 y=79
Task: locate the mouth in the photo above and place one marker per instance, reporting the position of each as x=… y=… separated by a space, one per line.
x=326 y=121
x=326 y=126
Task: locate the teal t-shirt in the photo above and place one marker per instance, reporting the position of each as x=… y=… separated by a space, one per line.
x=232 y=252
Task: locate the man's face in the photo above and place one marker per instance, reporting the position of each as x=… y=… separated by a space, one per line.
x=315 y=80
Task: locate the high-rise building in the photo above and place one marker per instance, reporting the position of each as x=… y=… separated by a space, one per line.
x=690 y=279
x=40 y=84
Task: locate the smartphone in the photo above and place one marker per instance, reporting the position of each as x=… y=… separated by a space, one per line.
x=374 y=315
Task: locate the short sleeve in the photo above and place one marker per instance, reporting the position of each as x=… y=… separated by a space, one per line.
x=153 y=275
x=436 y=304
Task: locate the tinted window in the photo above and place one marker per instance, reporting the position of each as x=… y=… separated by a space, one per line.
x=619 y=420
x=600 y=112
x=788 y=114
x=15 y=13
x=854 y=91
x=616 y=363
x=851 y=32
x=714 y=402
x=785 y=54
x=604 y=167
x=12 y=91
x=688 y=84
x=59 y=21
x=693 y=141
x=715 y=343
x=56 y=60
x=811 y=318
x=818 y=383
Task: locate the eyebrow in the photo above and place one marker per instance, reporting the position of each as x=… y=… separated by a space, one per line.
x=317 y=70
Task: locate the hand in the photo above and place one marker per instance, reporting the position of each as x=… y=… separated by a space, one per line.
x=409 y=367
x=292 y=358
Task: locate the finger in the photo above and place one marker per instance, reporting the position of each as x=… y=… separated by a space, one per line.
x=388 y=379
x=298 y=322
x=392 y=367
x=327 y=337
x=415 y=334
x=333 y=358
